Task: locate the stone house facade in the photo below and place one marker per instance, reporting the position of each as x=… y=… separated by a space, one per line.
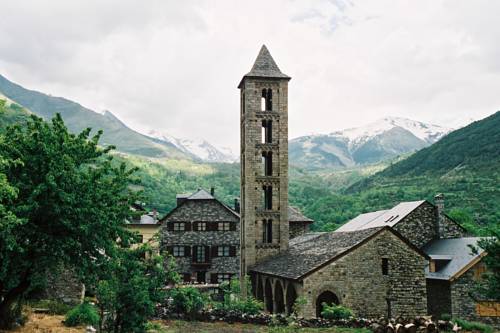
x=375 y=272
x=203 y=235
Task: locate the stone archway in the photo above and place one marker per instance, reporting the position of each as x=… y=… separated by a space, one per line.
x=291 y=297
x=268 y=296
x=279 y=298
x=260 y=289
x=327 y=297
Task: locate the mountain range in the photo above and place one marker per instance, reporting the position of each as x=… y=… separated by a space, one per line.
x=378 y=141
x=375 y=142
x=115 y=132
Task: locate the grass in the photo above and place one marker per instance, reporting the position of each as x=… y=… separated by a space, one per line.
x=177 y=326
x=473 y=326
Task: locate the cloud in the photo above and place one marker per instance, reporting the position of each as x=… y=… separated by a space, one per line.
x=174 y=66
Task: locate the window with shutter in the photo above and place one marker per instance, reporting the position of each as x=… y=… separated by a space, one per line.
x=214 y=251
x=232 y=251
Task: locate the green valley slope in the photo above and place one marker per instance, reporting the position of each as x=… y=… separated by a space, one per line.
x=464 y=165
x=78 y=118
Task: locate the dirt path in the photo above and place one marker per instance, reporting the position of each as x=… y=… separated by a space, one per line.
x=41 y=323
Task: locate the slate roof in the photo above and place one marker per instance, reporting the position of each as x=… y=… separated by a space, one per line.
x=455 y=250
x=310 y=251
x=201 y=194
x=265 y=66
x=294 y=215
x=381 y=218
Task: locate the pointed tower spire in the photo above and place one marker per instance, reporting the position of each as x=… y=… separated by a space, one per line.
x=265 y=66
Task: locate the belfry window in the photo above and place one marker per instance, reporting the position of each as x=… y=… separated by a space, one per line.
x=385 y=266
x=267 y=163
x=267 y=231
x=267 y=197
x=267 y=131
x=266 y=100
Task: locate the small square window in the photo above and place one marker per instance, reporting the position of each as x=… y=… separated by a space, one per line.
x=178 y=251
x=385 y=266
x=179 y=226
x=223 y=277
x=202 y=226
x=223 y=251
x=224 y=226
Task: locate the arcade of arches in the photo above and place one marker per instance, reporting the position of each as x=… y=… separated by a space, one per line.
x=279 y=295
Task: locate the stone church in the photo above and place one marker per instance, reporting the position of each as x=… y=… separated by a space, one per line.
x=409 y=260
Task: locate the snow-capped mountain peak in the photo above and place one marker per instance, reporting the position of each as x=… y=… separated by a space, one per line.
x=198 y=148
x=427 y=132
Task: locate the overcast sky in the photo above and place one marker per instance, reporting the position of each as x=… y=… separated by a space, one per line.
x=174 y=65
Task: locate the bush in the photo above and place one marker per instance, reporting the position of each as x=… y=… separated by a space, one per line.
x=187 y=300
x=473 y=326
x=83 y=314
x=234 y=302
x=54 y=307
x=335 y=312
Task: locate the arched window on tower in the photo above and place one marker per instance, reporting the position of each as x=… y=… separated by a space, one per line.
x=267 y=163
x=267 y=197
x=263 y=100
x=266 y=100
x=267 y=131
x=267 y=231
x=269 y=100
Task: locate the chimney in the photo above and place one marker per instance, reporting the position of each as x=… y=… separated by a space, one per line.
x=212 y=191
x=155 y=214
x=237 y=205
x=439 y=202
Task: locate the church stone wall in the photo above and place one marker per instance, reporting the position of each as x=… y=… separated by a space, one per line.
x=298 y=228
x=357 y=280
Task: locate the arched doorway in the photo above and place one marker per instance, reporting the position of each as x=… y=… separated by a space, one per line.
x=325 y=297
x=268 y=296
x=291 y=296
x=260 y=289
x=278 y=297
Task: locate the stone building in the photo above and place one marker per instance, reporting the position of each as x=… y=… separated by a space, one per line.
x=375 y=272
x=298 y=223
x=451 y=277
x=203 y=235
x=453 y=269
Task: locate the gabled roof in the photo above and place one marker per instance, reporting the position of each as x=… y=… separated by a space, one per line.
x=265 y=66
x=381 y=218
x=310 y=252
x=294 y=215
x=457 y=253
x=200 y=194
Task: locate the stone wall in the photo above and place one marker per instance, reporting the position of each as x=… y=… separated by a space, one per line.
x=357 y=280
x=203 y=211
x=63 y=286
x=298 y=228
x=420 y=226
x=463 y=304
x=438 y=297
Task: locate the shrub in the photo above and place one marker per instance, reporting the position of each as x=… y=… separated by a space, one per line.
x=82 y=314
x=234 y=301
x=335 y=312
x=54 y=307
x=473 y=326
x=187 y=300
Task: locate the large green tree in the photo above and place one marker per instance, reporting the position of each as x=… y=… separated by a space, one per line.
x=62 y=202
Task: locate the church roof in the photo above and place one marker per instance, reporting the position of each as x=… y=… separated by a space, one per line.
x=381 y=218
x=294 y=215
x=201 y=194
x=456 y=255
x=265 y=66
x=311 y=251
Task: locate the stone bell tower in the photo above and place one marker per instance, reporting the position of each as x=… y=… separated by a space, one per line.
x=264 y=161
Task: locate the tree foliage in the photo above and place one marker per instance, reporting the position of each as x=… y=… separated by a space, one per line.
x=133 y=286
x=62 y=202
